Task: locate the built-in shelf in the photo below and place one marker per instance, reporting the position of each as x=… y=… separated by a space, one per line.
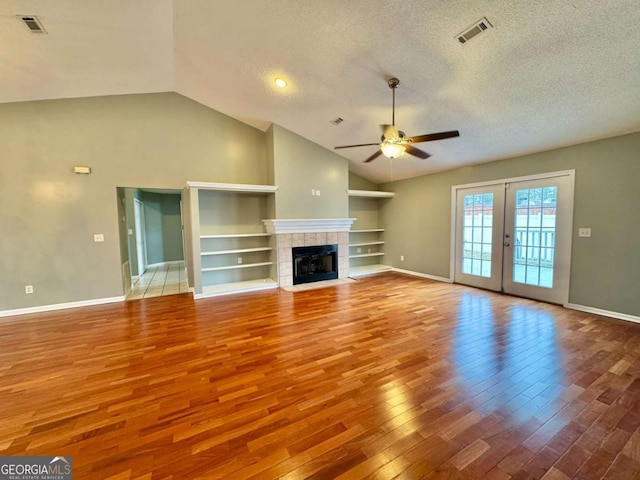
x=363 y=205
x=237 y=287
x=234 y=267
x=237 y=250
x=362 y=255
x=237 y=235
x=233 y=187
x=370 y=194
x=368 y=269
x=227 y=221
x=364 y=244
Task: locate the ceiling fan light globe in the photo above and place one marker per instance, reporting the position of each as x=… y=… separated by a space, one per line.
x=392 y=150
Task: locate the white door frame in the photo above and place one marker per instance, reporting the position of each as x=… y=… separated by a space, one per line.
x=141 y=239
x=454 y=193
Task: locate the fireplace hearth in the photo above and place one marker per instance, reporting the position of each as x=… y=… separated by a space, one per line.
x=316 y=263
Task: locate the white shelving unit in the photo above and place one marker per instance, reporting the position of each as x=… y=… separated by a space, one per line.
x=231 y=252
x=370 y=194
x=365 y=240
x=368 y=269
x=363 y=255
x=364 y=244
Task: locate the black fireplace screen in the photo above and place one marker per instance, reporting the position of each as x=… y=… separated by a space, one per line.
x=311 y=264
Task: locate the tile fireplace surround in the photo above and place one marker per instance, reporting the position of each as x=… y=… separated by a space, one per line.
x=309 y=233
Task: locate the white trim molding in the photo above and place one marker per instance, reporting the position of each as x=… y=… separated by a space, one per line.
x=60 y=306
x=422 y=275
x=604 y=313
x=233 y=187
x=308 y=225
x=370 y=193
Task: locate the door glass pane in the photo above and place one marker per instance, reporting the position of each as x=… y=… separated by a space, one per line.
x=477 y=230
x=534 y=237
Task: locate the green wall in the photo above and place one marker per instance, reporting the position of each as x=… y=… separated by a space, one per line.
x=163 y=228
x=49 y=214
x=356 y=182
x=605 y=269
x=299 y=166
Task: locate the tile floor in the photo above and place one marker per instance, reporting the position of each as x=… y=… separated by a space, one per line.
x=159 y=279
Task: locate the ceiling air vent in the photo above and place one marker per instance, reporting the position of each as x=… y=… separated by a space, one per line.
x=33 y=23
x=336 y=121
x=474 y=30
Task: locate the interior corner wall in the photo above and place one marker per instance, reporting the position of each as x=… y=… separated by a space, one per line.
x=271 y=177
x=49 y=214
x=605 y=269
x=301 y=166
x=356 y=182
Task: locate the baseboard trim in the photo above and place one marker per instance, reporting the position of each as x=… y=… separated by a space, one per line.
x=422 y=275
x=60 y=306
x=198 y=296
x=604 y=313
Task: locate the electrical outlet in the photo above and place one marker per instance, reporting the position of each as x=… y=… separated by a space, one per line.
x=368 y=250
x=317 y=193
x=239 y=260
x=313 y=192
x=358 y=250
x=98 y=237
x=402 y=258
x=584 y=232
x=28 y=289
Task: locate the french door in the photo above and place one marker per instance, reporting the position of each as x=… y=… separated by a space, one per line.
x=514 y=236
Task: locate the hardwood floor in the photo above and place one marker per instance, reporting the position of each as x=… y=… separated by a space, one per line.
x=388 y=377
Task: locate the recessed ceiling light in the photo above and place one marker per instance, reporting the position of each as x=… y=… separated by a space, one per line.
x=281 y=82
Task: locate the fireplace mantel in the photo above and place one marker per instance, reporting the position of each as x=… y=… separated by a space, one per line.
x=308 y=225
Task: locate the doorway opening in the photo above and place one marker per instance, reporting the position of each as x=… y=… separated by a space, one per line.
x=514 y=235
x=151 y=242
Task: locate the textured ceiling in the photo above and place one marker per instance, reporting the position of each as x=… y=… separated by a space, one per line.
x=549 y=74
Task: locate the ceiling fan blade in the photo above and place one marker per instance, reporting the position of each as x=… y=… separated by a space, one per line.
x=416 y=152
x=374 y=156
x=359 y=145
x=430 y=137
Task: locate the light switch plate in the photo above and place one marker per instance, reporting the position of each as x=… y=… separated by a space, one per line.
x=584 y=232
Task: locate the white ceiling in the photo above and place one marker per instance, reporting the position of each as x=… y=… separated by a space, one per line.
x=549 y=74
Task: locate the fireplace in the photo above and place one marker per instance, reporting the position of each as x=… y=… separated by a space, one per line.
x=312 y=264
x=310 y=232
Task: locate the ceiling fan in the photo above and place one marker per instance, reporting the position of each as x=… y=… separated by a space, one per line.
x=394 y=143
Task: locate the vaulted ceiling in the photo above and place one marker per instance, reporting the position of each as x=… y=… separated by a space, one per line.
x=548 y=74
